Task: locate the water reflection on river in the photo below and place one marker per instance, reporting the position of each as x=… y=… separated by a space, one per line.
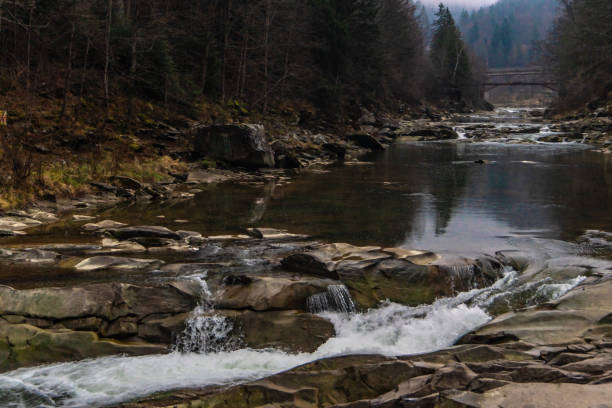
x=432 y=196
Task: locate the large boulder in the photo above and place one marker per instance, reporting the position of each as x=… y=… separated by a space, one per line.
x=404 y=276
x=367 y=141
x=243 y=145
x=406 y=282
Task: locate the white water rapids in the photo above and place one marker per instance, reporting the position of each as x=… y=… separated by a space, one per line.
x=391 y=329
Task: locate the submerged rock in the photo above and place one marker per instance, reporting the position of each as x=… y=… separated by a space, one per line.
x=243 y=145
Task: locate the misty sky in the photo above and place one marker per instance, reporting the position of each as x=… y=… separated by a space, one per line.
x=466 y=3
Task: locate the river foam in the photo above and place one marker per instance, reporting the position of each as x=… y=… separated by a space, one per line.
x=391 y=329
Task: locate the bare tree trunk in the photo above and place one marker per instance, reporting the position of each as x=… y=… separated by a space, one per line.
x=107 y=51
x=227 y=29
x=83 y=75
x=132 y=78
x=68 y=72
x=268 y=23
x=29 y=62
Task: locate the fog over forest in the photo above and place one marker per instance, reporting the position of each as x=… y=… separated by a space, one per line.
x=460 y=3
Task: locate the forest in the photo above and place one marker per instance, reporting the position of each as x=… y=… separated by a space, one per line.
x=579 y=52
x=251 y=53
x=509 y=33
x=104 y=71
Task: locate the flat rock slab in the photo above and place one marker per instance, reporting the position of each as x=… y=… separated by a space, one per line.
x=105 y=300
x=273 y=234
x=114 y=262
x=540 y=395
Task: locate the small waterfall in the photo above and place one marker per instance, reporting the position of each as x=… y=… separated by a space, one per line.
x=205 y=331
x=337 y=298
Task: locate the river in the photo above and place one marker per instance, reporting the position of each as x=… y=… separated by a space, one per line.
x=460 y=197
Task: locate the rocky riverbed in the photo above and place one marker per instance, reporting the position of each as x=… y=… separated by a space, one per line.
x=98 y=310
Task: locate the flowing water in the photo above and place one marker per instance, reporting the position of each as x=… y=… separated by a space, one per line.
x=552 y=201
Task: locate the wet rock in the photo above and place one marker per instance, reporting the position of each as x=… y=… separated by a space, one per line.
x=404 y=276
x=337 y=149
x=273 y=234
x=108 y=301
x=405 y=282
x=434 y=133
x=144 y=232
x=414 y=256
x=323 y=260
x=162 y=328
x=270 y=293
x=113 y=246
x=12 y=223
x=596 y=365
x=288 y=330
x=191 y=237
x=535 y=395
x=366 y=140
x=570 y=319
x=113 y=262
x=30 y=255
x=453 y=376
x=79 y=217
x=103 y=225
x=199 y=176
x=232 y=280
x=243 y=145
x=127 y=182
x=25 y=345
x=567 y=358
